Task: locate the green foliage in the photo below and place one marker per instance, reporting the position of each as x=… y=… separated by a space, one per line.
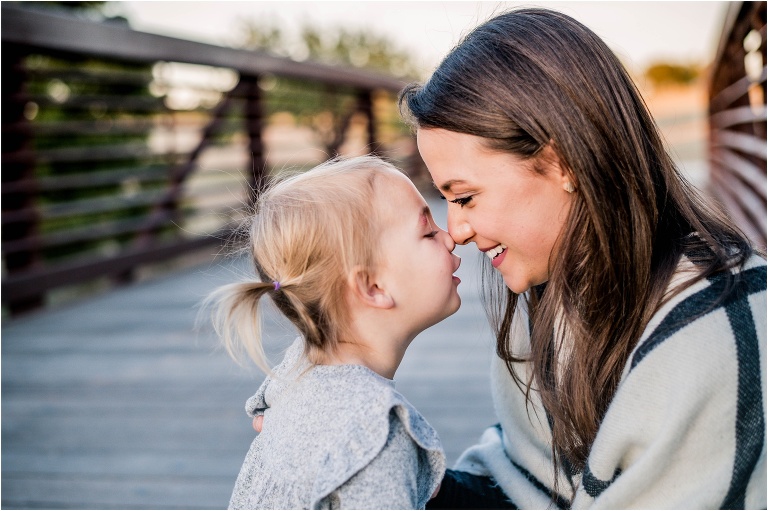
x=317 y=106
x=356 y=48
x=664 y=73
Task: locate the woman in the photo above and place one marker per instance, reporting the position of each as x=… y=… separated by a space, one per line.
x=631 y=320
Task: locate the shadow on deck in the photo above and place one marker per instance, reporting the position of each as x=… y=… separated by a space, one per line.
x=118 y=402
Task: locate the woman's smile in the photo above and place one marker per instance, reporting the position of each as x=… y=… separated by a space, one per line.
x=497 y=254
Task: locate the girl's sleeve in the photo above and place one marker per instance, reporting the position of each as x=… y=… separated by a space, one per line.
x=397 y=478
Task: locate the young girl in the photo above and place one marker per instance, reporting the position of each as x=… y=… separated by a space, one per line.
x=349 y=252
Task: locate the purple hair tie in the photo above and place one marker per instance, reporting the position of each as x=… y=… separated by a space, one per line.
x=276 y=284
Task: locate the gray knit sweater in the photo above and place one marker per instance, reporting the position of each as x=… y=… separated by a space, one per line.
x=336 y=437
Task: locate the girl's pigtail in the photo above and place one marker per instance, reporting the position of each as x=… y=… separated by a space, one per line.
x=308 y=319
x=236 y=318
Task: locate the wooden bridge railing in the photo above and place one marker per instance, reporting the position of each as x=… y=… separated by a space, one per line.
x=737 y=115
x=122 y=148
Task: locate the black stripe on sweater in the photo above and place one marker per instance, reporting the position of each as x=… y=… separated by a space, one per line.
x=594 y=486
x=749 y=282
x=559 y=501
x=750 y=422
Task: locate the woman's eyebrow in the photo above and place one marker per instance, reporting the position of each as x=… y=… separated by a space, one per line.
x=446 y=187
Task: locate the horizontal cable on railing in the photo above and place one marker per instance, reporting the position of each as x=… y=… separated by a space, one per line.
x=739 y=115
x=730 y=94
x=746 y=170
x=745 y=142
x=88 y=180
x=743 y=199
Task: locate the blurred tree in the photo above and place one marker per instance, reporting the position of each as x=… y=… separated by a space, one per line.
x=665 y=73
x=328 y=111
x=358 y=48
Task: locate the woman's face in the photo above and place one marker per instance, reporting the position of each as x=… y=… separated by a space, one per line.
x=512 y=213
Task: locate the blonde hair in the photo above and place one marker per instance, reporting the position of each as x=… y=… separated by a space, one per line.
x=308 y=231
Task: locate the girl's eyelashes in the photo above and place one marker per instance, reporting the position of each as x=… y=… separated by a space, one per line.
x=431 y=234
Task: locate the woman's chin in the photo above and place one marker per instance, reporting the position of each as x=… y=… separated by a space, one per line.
x=517 y=286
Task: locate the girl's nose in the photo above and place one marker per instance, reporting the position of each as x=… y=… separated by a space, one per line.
x=459 y=229
x=447 y=239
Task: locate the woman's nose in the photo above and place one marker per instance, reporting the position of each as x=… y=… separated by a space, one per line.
x=459 y=229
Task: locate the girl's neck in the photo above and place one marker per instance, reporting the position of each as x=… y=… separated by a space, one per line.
x=383 y=359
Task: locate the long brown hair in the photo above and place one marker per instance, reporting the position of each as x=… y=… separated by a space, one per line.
x=533 y=78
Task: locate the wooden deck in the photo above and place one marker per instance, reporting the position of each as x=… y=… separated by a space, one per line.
x=118 y=402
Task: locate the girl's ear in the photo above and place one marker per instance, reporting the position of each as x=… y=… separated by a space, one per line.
x=365 y=287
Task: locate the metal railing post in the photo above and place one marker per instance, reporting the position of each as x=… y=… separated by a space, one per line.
x=18 y=165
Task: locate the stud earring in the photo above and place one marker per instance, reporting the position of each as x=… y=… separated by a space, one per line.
x=568 y=187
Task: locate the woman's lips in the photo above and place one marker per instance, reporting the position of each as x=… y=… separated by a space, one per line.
x=496 y=261
x=496 y=254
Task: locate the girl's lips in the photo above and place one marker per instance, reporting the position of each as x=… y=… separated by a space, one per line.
x=456 y=279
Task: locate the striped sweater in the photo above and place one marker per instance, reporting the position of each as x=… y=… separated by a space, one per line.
x=685 y=429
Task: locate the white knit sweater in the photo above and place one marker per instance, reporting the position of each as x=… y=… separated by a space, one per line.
x=685 y=429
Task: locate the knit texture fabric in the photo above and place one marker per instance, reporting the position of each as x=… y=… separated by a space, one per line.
x=685 y=429
x=336 y=437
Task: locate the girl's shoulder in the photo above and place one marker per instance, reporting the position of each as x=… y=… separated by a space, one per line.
x=355 y=397
x=326 y=423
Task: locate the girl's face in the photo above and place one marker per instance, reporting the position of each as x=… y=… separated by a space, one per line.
x=417 y=265
x=513 y=214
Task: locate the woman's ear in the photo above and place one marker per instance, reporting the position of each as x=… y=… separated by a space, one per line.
x=368 y=291
x=550 y=158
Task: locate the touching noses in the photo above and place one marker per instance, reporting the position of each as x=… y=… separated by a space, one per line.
x=447 y=239
x=459 y=229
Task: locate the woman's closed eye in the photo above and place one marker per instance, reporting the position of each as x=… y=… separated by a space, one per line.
x=461 y=201
x=431 y=234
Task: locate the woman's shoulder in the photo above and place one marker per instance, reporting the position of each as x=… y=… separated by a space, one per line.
x=726 y=309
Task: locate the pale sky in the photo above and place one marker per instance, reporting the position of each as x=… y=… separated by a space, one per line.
x=639 y=32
